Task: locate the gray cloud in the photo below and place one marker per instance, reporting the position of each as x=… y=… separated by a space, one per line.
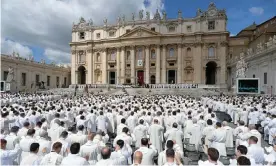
x=48 y=23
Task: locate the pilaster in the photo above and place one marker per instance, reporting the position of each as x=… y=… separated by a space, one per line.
x=104 y=67
x=132 y=65
x=118 y=66
x=89 y=66
x=163 y=65
x=123 y=65
x=73 y=67
x=147 y=65
x=179 y=64
x=158 y=66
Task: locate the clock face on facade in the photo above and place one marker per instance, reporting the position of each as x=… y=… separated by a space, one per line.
x=212 y=12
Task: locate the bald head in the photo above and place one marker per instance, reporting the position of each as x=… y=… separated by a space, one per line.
x=137 y=157
x=106 y=152
x=224 y=123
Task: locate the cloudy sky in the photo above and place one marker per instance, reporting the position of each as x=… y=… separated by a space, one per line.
x=42 y=28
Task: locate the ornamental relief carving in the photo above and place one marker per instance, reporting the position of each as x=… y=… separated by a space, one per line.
x=73 y=51
x=224 y=43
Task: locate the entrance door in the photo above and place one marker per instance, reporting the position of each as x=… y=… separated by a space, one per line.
x=171 y=76
x=211 y=68
x=140 y=76
x=152 y=79
x=112 y=77
x=81 y=75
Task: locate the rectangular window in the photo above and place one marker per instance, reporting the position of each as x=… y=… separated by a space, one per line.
x=82 y=35
x=128 y=30
x=128 y=65
x=37 y=78
x=111 y=66
x=152 y=64
x=171 y=29
x=98 y=35
x=64 y=81
x=23 y=79
x=265 y=78
x=211 y=25
x=171 y=64
x=153 y=29
x=111 y=34
x=5 y=75
x=48 y=80
x=189 y=28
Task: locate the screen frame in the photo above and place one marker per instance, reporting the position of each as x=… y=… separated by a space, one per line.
x=237 y=85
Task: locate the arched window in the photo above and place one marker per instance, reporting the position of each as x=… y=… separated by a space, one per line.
x=153 y=55
x=171 y=53
x=113 y=56
x=254 y=76
x=98 y=57
x=139 y=53
x=128 y=56
x=189 y=52
x=211 y=52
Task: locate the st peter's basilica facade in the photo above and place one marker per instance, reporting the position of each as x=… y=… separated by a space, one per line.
x=154 y=49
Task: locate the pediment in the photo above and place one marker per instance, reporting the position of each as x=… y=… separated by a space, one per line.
x=140 y=32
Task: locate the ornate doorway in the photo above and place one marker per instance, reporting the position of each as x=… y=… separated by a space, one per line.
x=211 y=70
x=81 y=75
x=112 y=77
x=171 y=76
x=140 y=77
x=152 y=79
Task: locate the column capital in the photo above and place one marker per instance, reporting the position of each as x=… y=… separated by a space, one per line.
x=132 y=46
x=147 y=46
x=89 y=50
x=179 y=45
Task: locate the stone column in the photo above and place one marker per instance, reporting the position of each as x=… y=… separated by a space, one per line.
x=179 y=63
x=197 y=63
x=158 y=58
x=147 y=65
x=73 y=67
x=132 y=74
x=89 y=62
x=93 y=67
x=118 y=66
x=123 y=65
x=104 y=67
x=76 y=78
x=163 y=67
x=222 y=58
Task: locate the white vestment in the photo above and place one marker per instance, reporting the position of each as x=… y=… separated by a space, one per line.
x=229 y=137
x=218 y=141
x=140 y=132
x=156 y=136
x=176 y=135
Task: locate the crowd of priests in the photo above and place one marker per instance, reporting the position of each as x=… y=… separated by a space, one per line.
x=49 y=129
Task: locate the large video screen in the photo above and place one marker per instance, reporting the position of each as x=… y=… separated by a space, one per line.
x=248 y=86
